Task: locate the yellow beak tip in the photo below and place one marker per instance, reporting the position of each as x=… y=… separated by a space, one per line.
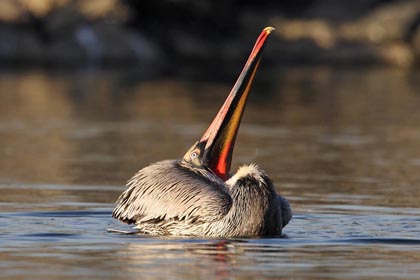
x=269 y=29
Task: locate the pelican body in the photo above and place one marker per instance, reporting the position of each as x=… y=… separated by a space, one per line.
x=196 y=195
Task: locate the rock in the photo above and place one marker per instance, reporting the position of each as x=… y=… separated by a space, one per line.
x=379 y=36
x=162 y=35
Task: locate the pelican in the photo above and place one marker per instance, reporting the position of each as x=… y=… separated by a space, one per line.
x=196 y=195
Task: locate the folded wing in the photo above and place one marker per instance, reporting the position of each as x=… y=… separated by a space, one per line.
x=169 y=190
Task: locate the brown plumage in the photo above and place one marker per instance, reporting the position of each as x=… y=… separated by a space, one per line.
x=173 y=197
x=195 y=195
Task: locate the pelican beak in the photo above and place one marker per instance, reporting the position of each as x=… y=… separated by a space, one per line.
x=218 y=141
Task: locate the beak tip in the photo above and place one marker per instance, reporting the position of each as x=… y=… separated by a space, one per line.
x=269 y=29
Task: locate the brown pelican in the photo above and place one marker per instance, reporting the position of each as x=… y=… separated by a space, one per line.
x=195 y=195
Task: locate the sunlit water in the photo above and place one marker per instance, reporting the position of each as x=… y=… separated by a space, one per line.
x=343 y=145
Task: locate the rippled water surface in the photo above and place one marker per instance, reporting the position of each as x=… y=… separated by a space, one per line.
x=343 y=145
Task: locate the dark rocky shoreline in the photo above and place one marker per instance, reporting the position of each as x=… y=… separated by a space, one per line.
x=160 y=35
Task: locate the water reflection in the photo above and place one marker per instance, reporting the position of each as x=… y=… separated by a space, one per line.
x=335 y=127
x=162 y=258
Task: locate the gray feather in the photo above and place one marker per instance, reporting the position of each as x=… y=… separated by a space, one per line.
x=167 y=190
x=177 y=198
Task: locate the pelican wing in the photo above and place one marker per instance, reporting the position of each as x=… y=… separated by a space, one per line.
x=168 y=190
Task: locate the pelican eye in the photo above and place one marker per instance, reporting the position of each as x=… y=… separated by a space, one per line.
x=193 y=155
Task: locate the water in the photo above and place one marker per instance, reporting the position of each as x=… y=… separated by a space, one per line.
x=341 y=144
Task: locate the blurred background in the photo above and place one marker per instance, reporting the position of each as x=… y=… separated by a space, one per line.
x=93 y=90
x=157 y=35
x=87 y=86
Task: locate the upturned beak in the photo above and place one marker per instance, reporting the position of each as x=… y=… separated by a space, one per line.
x=218 y=141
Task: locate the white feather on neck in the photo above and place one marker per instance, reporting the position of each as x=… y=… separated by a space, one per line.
x=252 y=170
